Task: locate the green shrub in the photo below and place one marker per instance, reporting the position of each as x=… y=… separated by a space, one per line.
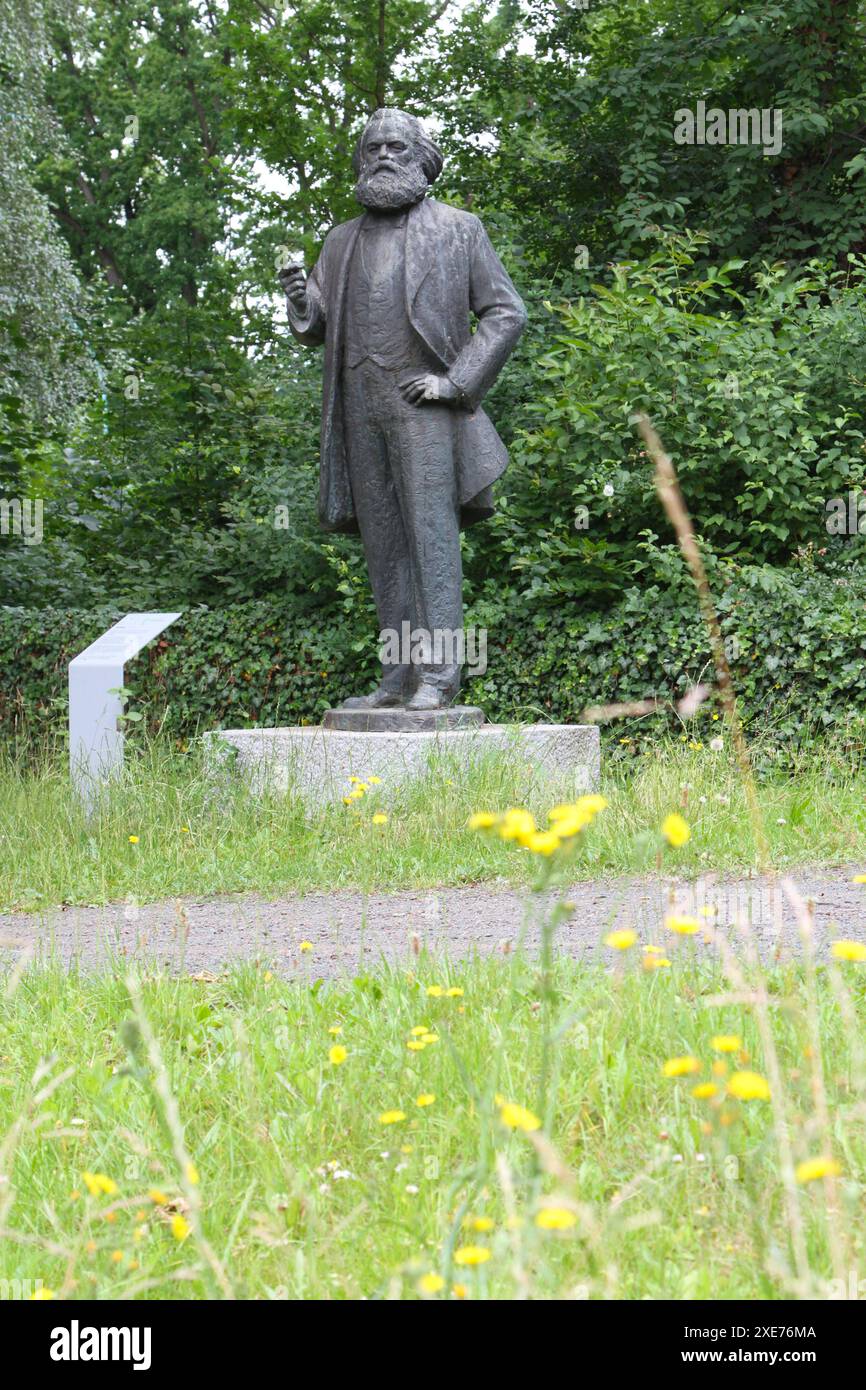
x=796 y=641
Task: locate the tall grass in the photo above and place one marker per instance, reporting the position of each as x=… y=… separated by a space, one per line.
x=197 y=838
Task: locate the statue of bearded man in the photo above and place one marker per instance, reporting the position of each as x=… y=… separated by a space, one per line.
x=408 y=456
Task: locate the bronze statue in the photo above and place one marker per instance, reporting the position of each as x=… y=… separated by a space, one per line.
x=408 y=455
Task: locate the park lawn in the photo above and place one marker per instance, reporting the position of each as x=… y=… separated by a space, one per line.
x=196 y=1137
x=168 y=830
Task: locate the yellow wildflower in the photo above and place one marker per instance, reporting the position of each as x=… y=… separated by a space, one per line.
x=380 y=818
x=621 y=940
x=848 y=950
x=42 y=1294
x=337 y=1055
x=542 y=842
x=683 y=926
x=812 y=1168
x=180 y=1227
x=481 y=1224
x=98 y=1183
x=435 y=991
x=471 y=1255
x=516 y=824
x=681 y=1066
x=748 y=1085
x=726 y=1042
x=518 y=1117
x=426 y=1098
x=482 y=820
x=676 y=830
x=305 y=946
x=555 y=1219
x=431 y=1283
x=705 y=1091
x=391 y=1117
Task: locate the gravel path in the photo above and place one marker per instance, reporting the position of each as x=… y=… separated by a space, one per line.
x=352 y=933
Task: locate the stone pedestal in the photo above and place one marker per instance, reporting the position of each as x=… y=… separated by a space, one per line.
x=319 y=761
x=399 y=720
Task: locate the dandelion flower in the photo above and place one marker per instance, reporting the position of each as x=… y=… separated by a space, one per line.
x=430 y=1038
x=726 y=1042
x=98 y=1183
x=426 y=1098
x=681 y=1066
x=305 y=947
x=518 y=1117
x=133 y=839
x=705 y=1091
x=812 y=1168
x=42 y=1294
x=157 y=1196
x=455 y=992
x=676 y=830
x=192 y=1174
x=848 y=950
x=482 y=820
x=337 y=1055
x=481 y=1224
x=435 y=991
x=516 y=824
x=391 y=1117
x=335 y=1030
x=542 y=842
x=555 y=1219
x=416 y=1045
x=748 y=1085
x=180 y=1227
x=471 y=1255
x=656 y=963
x=380 y=818
x=683 y=926
x=431 y=1283
x=621 y=940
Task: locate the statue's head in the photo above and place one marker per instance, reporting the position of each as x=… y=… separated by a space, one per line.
x=395 y=160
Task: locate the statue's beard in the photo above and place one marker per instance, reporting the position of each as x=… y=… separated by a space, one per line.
x=390 y=189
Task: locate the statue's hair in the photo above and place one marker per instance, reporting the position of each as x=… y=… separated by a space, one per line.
x=429 y=154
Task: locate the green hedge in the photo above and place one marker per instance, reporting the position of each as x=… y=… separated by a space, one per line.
x=797 y=640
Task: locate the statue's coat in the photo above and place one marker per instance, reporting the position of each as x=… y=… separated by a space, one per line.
x=451 y=270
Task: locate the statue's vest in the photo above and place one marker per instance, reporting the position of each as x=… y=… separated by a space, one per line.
x=377 y=320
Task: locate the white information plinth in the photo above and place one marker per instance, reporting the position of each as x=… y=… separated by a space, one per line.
x=95 y=677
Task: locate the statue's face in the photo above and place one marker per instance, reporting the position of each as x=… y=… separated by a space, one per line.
x=391 y=176
x=387 y=146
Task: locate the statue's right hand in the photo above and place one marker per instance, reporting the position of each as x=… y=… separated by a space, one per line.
x=294 y=283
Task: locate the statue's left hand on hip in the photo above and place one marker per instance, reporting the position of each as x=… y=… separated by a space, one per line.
x=419 y=390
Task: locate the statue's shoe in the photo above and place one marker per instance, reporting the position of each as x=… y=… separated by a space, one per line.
x=429 y=697
x=379 y=699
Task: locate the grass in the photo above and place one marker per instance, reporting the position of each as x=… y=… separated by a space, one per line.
x=214 y=1100
x=198 y=838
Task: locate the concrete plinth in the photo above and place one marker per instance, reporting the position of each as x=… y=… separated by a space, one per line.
x=318 y=762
